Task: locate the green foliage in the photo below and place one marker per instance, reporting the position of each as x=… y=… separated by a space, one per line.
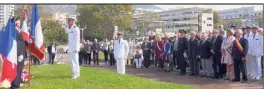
x=53 y=31
x=216 y=19
x=260 y=20
x=101 y=19
x=144 y=24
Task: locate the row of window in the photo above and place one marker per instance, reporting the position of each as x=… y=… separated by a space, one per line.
x=174 y=14
x=240 y=16
x=185 y=25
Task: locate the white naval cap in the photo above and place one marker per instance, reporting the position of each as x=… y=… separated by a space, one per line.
x=72 y=17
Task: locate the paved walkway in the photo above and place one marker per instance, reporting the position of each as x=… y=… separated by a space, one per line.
x=173 y=77
x=196 y=82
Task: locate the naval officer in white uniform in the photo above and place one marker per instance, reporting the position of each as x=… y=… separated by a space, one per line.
x=121 y=50
x=73 y=45
x=255 y=51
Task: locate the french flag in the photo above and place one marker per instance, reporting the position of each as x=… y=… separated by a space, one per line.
x=36 y=44
x=24 y=31
x=8 y=50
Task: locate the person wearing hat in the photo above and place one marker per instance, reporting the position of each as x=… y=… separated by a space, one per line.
x=232 y=27
x=73 y=45
x=248 y=35
x=217 y=40
x=255 y=51
x=21 y=54
x=227 y=58
x=181 y=52
x=121 y=51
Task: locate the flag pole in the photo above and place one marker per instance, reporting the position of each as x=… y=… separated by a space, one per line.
x=30 y=47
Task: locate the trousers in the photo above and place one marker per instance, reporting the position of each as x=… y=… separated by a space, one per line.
x=74 y=59
x=138 y=62
x=120 y=63
x=256 y=65
x=207 y=68
x=16 y=82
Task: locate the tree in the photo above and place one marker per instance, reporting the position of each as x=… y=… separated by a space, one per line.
x=216 y=19
x=260 y=20
x=53 y=31
x=101 y=19
x=145 y=24
x=44 y=12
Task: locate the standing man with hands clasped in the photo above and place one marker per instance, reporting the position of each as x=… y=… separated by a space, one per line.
x=73 y=45
x=121 y=50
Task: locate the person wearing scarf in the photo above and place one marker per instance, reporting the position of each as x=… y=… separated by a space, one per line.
x=239 y=54
x=226 y=54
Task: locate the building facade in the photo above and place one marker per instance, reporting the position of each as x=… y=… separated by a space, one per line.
x=5 y=12
x=247 y=15
x=195 y=19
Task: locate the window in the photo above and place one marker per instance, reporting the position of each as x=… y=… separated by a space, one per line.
x=209 y=18
x=176 y=20
x=209 y=24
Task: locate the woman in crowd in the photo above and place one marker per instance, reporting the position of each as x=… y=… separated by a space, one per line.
x=227 y=54
x=167 y=54
x=159 y=46
x=138 y=56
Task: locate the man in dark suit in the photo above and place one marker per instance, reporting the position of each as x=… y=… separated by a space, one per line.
x=193 y=54
x=205 y=54
x=146 y=46
x=216 y=53
x=95 y=48
x=240 y=55
x=182 y=48
x=21 y=55
x=51 y=50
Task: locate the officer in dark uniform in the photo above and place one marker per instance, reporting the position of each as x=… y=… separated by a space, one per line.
x=21 y=55
x=182 y=47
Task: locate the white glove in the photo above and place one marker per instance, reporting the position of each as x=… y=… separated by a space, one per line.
x=30 y=41
x=185 y=55
x=20 y=58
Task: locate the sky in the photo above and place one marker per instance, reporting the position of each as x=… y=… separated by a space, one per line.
x=215 y=7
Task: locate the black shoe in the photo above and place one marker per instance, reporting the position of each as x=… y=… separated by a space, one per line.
x=235 y=80
x=244 y=81
x=181 y=73
x=191 y=74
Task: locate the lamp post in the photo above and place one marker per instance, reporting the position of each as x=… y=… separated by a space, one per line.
x=82 y=31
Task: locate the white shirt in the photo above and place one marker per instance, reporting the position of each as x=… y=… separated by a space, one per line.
x=105 y=45
x=256 y=45
x=121 y=49
x=53 y=49
x=73 y=38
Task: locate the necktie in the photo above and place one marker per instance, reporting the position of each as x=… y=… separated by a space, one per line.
x=119 y=41
x=254 y=36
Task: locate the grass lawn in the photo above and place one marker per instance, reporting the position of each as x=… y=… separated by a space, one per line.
x=58 y=77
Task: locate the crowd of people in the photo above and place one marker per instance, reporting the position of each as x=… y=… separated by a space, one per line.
x=219 y=54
